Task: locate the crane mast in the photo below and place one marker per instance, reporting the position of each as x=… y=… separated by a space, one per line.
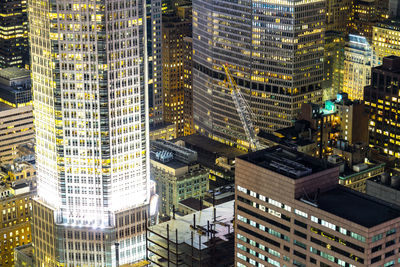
x=243 y=110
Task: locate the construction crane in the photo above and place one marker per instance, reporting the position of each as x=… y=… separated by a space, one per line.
x=243 y=110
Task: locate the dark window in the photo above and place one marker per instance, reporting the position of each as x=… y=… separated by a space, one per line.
x=299 y=254
x=312 y=260
x=301 y=224
x=376 y=259
x=286 y=248
x=298 y=233
x=390 y=243
x=376 y=248
x=388 y=254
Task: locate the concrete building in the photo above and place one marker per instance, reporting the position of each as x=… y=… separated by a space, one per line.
x=15 y=112
x=290 y=211
x=177 y=174
x=277 y=62
x=90 y=88
x=204 y=238
x=154 y=52
x=165 y=131
x=14 y=50
x=357 y=66
x=381 y=101
x=218 y=158
x=174 y=29
x=385 y=40
x=16 y=210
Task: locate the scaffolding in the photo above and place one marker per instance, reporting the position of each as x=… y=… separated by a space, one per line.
x=204 y=238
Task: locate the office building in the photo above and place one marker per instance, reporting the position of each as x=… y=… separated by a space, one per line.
x=339 y=15
x=188 y=124
x=385 y=40
x=204 y=238
x=14 y=50
x=333 y=64
x=381 y=101
x=358 y=57
x=89 y=80
x=15 y=112
x=174 y=29
x=165 y=131
x=178 y=175
x=275 y=57
x=289 y=210
x=366 y=14
x=154 y=22
x=16 y=210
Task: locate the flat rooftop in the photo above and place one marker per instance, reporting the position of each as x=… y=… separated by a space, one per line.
x=4 y=106
x=14 y=73
x=211 y=145
x=173 y=163
x=357 y=207
x=287 y=162
x=224 y=226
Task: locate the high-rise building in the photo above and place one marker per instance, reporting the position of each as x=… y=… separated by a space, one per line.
x=385 y=40
x=366 y=14
x=290 y=211
x=14 y=51
x=188 y=127
x=358 y=57
x=89 y=78
x=174 y=29
x=275 y=56
x=154 y=22
x=333 y=64
x=382 y=102
x=338 y=15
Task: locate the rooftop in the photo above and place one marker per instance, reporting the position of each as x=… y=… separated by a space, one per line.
x=184 y=225
x=192 y=203
x=287 y=162
x=357 y=207
x=211 y=145
x=14 y=73
x=4 y=106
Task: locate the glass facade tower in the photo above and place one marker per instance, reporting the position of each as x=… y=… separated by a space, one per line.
x=89 y=78
x=274 y=50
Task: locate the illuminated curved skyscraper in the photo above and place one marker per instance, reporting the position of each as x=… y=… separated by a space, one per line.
x=89 y=78
x=274 y=49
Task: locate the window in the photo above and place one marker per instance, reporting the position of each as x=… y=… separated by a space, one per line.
x=376 y=248
x=314 y=219
x=391 y=232
x=377 y=237
x=301 y=213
